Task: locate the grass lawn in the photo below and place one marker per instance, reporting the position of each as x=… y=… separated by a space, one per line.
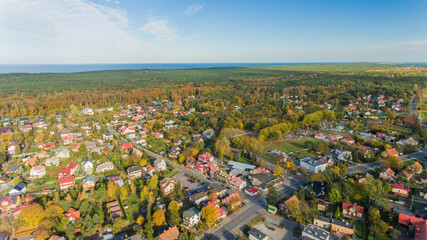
x=133 y=210
x=360 y=229
x=157 y=145
x=394 y=128
x=289 y=146
x=36 y=188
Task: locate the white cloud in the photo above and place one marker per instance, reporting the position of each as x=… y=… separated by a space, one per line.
x=160 y=28
x=67 y=31
x=193 y=9
x=116 y=2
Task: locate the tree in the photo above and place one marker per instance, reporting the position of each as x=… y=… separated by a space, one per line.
x=119 y=225
x=335 y=196
x=222 y=146
x=317 y=177
x=140 y=220
x=144 y=194
x=159 y=218
x=152 y=182
x=54 y=211
x=272 y=195
x=123 y=193
x=212 y=195
x=112 y=189
x=83 y=150
x=387 y=187
x=10 y=224
x=393 y=162
x=261 y=163
x=278 y=170
x=69 y=231
x=174 y=219
x=173 y=207
x=32 y=215
x=85 y=208
x=96 y=218
x=209 y=214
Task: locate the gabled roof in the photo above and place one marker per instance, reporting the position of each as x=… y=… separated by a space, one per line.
x=401 y=186
x=357 y=209
x=293 y=198
x=419 y=224
x=171 y=234
x=392 y=151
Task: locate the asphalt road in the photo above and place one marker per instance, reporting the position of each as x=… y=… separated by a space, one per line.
x=361 y=168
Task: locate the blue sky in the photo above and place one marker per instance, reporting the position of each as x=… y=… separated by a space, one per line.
x=160 y=31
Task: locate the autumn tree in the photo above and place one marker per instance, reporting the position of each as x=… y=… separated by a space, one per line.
x=173 y=206
x=10 y=224
x=209 y=214
x=152 y=182
x=112 y=190
x=222 y=146
x=32 y=214
x=140 y=220
x=159 y=218
x=278 y=170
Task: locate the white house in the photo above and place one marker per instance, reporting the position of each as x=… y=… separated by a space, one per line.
x=191 y=217
x=103 y=167
x=53 y=161
x=38 y=171
x=313 y=165
x=88 y=111
x=18 y=189
x=87 y=165
x=159 y=165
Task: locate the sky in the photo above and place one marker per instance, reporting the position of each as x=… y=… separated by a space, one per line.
x=216 y=31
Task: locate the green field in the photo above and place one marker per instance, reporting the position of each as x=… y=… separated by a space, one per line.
x=290 y=146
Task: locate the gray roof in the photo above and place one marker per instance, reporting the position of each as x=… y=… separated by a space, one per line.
x=316 y=231
x=257 y=234
x=239 y=165
x=88 y=178
x=342 y=224
x=13 y=168
x=86 y=159
x=191 y=212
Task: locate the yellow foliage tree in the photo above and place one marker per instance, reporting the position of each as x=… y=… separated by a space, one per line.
x=209 y=215
x=32 y=215
x=159 y=218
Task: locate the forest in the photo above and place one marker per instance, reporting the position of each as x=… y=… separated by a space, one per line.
x=46 y=93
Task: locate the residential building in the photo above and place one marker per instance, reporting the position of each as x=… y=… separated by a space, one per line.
x=9 y=202
x=233 y=200
x=255 y=234
x=313 y=165
x=313 y=232
x=14 y=169
x=418 y=224
x=236 y=182
x=199 y=197
x=72 y=214
x=88 y=182
x=191 y=217
x=170 y=234
x=66 y=183
x=252 y=191
x=167 y=185
x=104 y=167
x=388 y=175
x=391 y=152
x=87 y=165
x=352 y=210
x=159 y=165
x=284 y=205
x=19 y=189
x=401 y=189
x=412 y=170
x=38 y=171
x=342 y=227
x=322 y=222
x=134 y=172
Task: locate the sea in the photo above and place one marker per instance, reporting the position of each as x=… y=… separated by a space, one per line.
x=72 y=68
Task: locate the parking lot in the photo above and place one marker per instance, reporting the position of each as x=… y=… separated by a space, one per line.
x=271 y=227
x=188 y=186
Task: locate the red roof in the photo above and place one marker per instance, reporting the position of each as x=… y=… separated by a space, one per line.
x=401 y=186
x=293 y=198
x=347 y=206
x=66 y=181
x=253 y=189
x=126 y=146
x=350 y=139
x=419 y=224
x=170 y=234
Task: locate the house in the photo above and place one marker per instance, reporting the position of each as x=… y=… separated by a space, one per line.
x=105 y=166
x=322 y=204
x=199 y=197
x=284 y=205
x=314 y=232
x=88 y=111
x=236 y=182
x=205 y=157
x=66 y=183
x=71 y=169
x=208 y=134
x=313 y=165
x=19 y=189
x=322 y=222
x=30 y=161
x=412 y=170
x=167 y=185
x=191 y=217
x=53 y=161
x=418 y=224
x=177 y=142
x=352 y=210
x=343 y=228
x=171 y=234
x=88 y=182
x=348 y=140
x=255 y=234
x=107 y=136
x=218 y=189
x=38 y=171
x=62 y=153
x=125 y=147
x=388 y=175
x=319 y=188
x=14 y=169
x=233 y=200
x=159 y=165
x=9 y=202
x=134 y=172
x=87 y=165
x=49 y=145
x=67 y=139
x=3 y=179
x=391 y=152
x=252 y=191
x=410 y=141
x=400 y=189
x=149 y=169
x=72 y=215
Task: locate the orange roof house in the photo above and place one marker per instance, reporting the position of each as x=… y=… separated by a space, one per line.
x=419 y=225
x=392 y=152
x=171 y=234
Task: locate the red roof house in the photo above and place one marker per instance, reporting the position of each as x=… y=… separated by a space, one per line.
x=352 y=210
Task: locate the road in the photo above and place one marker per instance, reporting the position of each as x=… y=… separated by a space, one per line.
x=361 y=168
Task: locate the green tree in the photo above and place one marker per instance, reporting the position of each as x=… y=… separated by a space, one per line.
x=173 y=207
x=278 y=170
x=272 y=195
x=335 y=196
x=152 y=182
x=387 y=187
